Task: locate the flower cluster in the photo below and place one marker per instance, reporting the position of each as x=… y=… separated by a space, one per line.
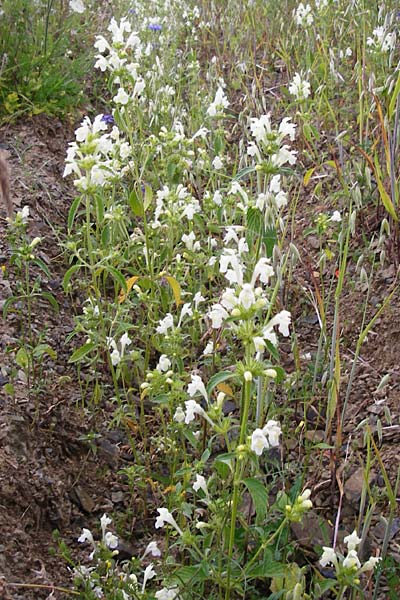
x=97 y=158
x=245 y=300
x=267 y=437
x=294 y=512
x=117 y=56
x=303 y=15
x=382 y=40
x=299 y=88
x=348 y=568
x=268 y=145
x=116 y=354
x=219 y=104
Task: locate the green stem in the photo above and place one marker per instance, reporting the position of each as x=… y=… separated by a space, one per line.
x=237 y=481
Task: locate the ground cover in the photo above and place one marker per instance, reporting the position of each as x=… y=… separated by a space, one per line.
x=200 y=376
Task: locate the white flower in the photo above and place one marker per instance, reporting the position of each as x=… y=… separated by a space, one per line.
x=197 y=387
x=220 y=102
x=201 y=133
x=247 y=297
x=351 y=560
x=336 y=217
x=124 y=341
x=121 y=97
x=77 y=6
x=258 y=442
x=328 y=557
x=115 y=357
x=138 y=88
x=186 y=310
x=165 y=324
x=149 y=573
x=200 y=484
x=259 y=343
x=167 y=594
x=166 y=517
x=271 y=373
x=104 y=522
x=163 y=363
x=197 y=298
x=217 y=163
x=300 y=88
x=229 y=299
x=262 y=270
x=193 y=408
x=209 y=349
x=272 y=431
x=283 y=320
x=217 y=198
x=352 y=540
x=217 y=315
x=86 y=536
x=287 y=128
x=304 y=499
x=24 y=214
x=179 y=415
x=110 y=540
x=190 y=241
x=152 y=549
x=303 y=15
x=371 y=563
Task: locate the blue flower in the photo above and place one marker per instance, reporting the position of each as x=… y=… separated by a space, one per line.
x=109 y=119
x=155 y=27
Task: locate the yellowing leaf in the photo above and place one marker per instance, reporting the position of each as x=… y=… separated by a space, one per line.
x=307 y=176
x=387 y=203
x=129 y=285
x=176 y=289
x=225 y=388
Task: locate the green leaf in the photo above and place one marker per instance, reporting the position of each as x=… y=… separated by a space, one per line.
x=267 y=569
x=117 y=275
x=393 y=99
x=136 y=204
x=243 y=172
x=224 y=463
x=72 y=212
x=51 y=300
x=218 y=378
x=22 y=358
x=255 y=225
x=259 y=496
x=187 y=575
x=68 y=275
x=82 y=352
x=8 y=303
x=148 y=197
x=270 y=240
x=42 y=349
x=42 y=266
x=218 y=144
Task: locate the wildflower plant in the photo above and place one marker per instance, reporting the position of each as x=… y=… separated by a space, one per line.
x=180 y=236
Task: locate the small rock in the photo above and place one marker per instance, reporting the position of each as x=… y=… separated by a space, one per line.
x=379 y=530
x=82 y=499
x=316 y=436
x=313 y=530
x=117 y=497
x=354 y=485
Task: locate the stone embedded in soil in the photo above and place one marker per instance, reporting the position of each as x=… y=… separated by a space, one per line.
x=313 y=531
x=82 y=499
x=354 y=485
